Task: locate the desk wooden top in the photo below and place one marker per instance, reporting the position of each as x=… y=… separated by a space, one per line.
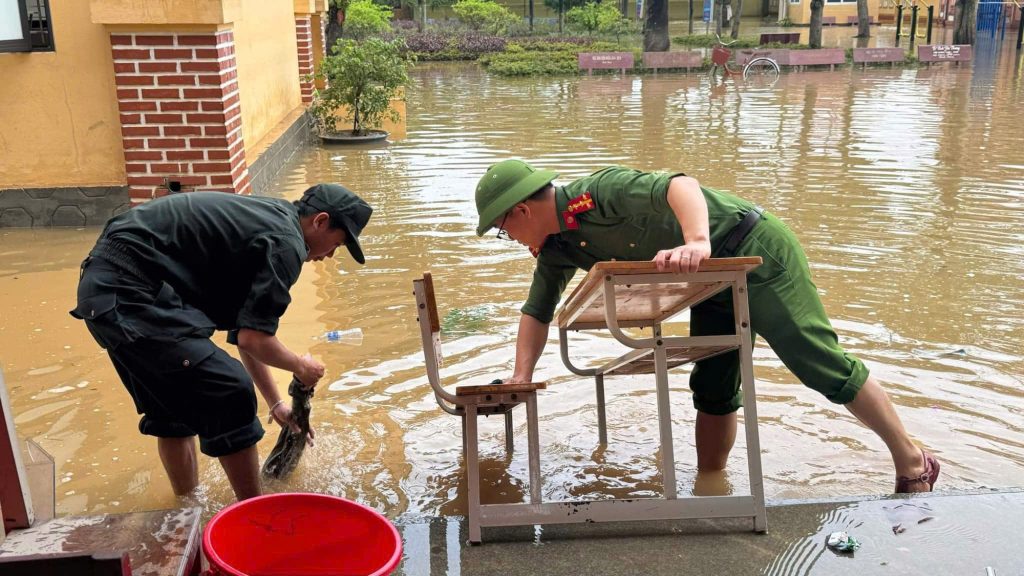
x=643 y=304
x=159 y=542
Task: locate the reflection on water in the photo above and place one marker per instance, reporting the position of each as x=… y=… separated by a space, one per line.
x=905 y=186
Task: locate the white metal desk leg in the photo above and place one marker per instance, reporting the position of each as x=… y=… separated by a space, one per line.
x=602 y=424
x=472 y=474
x=668 y=459
x=509 y=443
x=533 y=448
x=741 y=312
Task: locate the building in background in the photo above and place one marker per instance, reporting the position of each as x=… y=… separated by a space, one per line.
x=107 y=103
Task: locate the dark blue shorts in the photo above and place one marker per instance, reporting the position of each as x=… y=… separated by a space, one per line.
x=181 y=382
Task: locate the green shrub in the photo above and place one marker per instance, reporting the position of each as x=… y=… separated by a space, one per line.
x=534 y=58
x=485 y=15
x=597 y=17
x=365 y=18
x=706 y=41
x=362 y=78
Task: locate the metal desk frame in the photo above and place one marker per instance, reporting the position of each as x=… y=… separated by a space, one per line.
x=600 y=302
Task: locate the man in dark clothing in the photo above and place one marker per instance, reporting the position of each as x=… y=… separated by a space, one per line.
x=625 y=214
x=163 y=276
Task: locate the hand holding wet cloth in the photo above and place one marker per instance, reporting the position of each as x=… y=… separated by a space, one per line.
x=290 y=443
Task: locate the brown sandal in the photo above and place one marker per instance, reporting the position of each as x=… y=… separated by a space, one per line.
x=929 y=476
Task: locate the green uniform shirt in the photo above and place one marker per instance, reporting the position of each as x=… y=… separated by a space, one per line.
x=631 y=220
x=234 y=258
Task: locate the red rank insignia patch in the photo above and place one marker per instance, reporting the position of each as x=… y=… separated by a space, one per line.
x=581 y=203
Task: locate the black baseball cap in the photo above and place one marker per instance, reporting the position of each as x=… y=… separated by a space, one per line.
x=344 y=206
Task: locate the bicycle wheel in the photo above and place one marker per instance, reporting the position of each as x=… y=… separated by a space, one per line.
x=761 y=71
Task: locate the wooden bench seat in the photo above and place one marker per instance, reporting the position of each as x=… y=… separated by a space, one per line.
x=499 y=388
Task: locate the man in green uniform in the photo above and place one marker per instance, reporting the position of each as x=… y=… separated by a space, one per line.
x=163 y=276
x=623 y=214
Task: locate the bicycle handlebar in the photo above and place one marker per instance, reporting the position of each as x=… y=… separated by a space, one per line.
x=724 y=43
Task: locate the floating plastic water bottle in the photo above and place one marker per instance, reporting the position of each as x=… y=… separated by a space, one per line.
x=352 y=336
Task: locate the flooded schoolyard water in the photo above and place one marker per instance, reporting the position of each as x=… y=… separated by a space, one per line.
x=906 y=187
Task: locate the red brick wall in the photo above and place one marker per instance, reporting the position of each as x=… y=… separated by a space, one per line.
x=180 y=112
x=304 y=42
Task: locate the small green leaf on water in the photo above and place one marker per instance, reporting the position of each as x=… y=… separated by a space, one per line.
x=464 y=321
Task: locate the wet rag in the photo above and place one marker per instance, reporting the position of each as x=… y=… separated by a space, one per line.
x=286 y=453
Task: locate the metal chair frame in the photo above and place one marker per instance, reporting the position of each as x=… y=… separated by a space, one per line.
x=468 y=402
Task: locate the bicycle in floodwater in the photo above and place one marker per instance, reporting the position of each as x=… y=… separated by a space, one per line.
x=759 y=70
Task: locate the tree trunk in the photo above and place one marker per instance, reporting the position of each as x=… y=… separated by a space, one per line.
x=719 y=15
x=737 y=9
x=814 y=36
x=863 y=20
x=656 y=26
x=690 y=29
x=966 y=21
x=623 y=7
x=335 y=19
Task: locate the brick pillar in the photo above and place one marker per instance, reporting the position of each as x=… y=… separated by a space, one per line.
x=304 y=42
x=180 y=112
x=319 y=23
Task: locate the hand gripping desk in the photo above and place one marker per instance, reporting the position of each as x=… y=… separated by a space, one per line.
x=617 y=295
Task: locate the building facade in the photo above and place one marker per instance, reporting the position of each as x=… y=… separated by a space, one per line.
x=108 y=103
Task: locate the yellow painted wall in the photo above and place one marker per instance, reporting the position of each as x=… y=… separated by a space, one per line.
x=268 y=66
x=59 y=124
x=801 y=13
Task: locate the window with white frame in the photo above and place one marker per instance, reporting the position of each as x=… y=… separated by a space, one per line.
x=25 y=26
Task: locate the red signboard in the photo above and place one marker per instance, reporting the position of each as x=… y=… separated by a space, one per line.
x=780 y=55
x=862 y=55
x=817 y=57
x=945 y=53
x=672 y=60
x=605 y=60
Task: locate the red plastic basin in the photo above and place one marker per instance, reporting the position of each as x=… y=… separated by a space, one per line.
x=300 y=535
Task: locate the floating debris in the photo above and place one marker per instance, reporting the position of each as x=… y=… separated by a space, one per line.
x=934 y=354
x=842 y=542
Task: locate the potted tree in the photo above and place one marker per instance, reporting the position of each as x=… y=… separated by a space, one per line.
x=361 y=80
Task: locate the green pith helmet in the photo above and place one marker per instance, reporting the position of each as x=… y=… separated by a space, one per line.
x=506 y=184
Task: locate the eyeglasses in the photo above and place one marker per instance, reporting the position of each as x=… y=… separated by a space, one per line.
x=502 y=233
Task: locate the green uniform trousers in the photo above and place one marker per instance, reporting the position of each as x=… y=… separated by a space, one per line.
x=786 y=311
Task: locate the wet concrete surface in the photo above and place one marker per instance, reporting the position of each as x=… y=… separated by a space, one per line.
x=975 y=533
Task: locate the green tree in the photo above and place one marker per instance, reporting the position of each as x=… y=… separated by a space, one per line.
x=365 y=18
x=561 y=6
x=362 y=77
x=335 y=22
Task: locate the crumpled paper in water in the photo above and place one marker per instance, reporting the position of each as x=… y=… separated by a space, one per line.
x=842 y=542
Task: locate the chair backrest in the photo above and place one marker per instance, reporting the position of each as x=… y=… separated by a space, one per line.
x=430 y=333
